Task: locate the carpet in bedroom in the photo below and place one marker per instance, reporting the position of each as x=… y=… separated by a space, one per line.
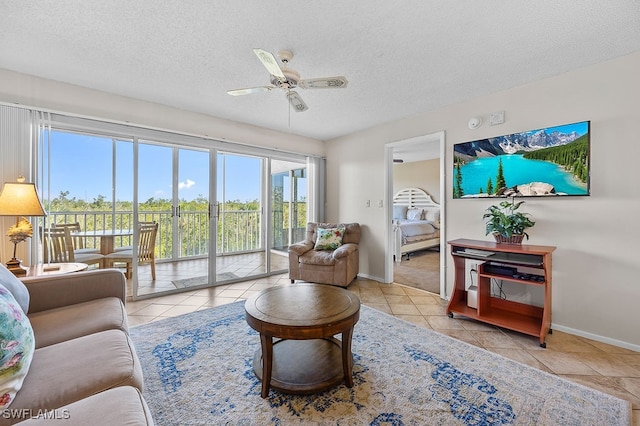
x=198 y=371
x=422 y=270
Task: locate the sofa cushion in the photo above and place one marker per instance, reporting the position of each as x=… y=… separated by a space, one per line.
x=123 y=405
x=319 y=257
x=16 y=347
x=329 y=238
x=69 y=371
x=68 y=322
x=16 y=287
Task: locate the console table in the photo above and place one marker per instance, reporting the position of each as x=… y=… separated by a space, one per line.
x=503 y=262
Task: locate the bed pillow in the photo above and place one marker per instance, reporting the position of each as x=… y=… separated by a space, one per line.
x=329 y=238
x=432 y=214
x=399 y=212
x=16 y=347
x=414 y=214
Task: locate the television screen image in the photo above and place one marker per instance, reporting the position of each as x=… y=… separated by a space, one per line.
x=553 y=161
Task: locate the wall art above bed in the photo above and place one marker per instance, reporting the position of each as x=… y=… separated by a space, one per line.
x=553 y=161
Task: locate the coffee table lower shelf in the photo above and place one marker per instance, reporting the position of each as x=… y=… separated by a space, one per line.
x=303 y=366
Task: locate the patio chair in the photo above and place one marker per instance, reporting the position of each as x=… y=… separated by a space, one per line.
x=125 y=248
x=146 y=251
x=78 y=242
x=336 y=263
x=58 y=248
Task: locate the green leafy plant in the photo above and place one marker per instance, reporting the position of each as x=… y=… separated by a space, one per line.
x=505 y=221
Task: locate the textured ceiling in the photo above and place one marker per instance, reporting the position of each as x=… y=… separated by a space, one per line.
x=401 y=57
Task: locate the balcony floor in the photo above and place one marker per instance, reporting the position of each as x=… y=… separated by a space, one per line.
x=229 y=269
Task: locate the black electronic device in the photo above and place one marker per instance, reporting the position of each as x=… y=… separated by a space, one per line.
x=499 y=270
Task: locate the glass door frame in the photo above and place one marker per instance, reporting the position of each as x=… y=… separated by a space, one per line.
x=176 y=251
x=130 y=133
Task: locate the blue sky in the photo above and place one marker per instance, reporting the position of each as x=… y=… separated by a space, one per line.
x=580 y=128
x=82 y=165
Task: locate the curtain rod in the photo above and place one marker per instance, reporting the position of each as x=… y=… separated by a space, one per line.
x=157 y=129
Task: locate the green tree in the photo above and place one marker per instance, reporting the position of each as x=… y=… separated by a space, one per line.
x=489 y=186
x=500 y=181
x=458 y=192
x=573 y=156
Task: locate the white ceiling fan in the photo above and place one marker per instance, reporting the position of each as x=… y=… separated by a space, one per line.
x=285 y=78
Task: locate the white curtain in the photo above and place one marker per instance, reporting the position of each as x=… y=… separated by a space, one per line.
x=20 y=130
x=316 y=189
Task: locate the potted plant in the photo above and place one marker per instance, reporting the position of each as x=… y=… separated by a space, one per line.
x=507 y=225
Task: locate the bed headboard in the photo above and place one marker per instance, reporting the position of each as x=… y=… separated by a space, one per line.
x=414 y=198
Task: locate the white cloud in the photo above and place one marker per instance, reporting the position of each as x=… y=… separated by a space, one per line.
x=187 y=184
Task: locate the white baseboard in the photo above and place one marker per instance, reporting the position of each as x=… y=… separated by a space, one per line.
x=369 y=277
x=597 y=338
x=581 y=333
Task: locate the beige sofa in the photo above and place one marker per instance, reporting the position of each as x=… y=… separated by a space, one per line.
x=337 y=267
x=84 y=365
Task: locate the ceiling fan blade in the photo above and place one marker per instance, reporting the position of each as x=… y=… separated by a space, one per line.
x=297 y=102
x=270 y=63
x=338 y=82
x=250 y=90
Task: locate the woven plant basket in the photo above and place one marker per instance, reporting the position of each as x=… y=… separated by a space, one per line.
x=514 y=239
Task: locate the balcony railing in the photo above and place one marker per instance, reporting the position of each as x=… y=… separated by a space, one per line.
x=238 y=231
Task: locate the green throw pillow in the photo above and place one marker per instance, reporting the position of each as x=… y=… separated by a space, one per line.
x=329 y=238
x=16 y=347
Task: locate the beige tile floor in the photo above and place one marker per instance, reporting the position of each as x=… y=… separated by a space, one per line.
x=604 y=367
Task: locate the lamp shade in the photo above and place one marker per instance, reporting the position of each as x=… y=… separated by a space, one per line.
x=20 y=199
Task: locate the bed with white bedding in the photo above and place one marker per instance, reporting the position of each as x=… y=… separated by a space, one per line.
x=416 y=222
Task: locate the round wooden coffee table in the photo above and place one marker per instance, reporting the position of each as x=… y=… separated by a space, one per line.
x=305 y=317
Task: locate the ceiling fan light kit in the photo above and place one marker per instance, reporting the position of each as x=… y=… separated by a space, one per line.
x=285 y=78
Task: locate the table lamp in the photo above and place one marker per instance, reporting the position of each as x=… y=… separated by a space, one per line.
x=19 y=199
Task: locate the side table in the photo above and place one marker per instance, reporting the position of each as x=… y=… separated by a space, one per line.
x=54 y=269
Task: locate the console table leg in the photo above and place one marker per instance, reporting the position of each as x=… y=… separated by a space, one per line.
x=267 y=362
x=347 y=358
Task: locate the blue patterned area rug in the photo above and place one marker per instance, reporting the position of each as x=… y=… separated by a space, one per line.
x=198 y=371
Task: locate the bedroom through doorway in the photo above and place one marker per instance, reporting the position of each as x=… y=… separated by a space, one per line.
x=416 y=225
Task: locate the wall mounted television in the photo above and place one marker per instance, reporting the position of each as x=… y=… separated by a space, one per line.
x=553 y=161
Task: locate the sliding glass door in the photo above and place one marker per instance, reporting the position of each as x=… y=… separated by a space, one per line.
x=239 y=209
x=288 y=210
x=224 y=213
x=173 y=192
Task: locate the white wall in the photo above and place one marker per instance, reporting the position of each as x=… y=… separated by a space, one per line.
x=418 y=174
x=55 y=96
x=596 y=267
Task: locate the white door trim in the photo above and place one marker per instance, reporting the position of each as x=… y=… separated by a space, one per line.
x=439 y=138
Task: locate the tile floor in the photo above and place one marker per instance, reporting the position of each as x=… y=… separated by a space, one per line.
x=604 y=367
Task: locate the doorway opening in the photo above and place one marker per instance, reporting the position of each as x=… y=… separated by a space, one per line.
x=415 y=222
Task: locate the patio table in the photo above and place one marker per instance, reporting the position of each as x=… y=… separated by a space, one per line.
x=107 y=237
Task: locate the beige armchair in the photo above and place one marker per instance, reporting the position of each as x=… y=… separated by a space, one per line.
x=337 y=267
